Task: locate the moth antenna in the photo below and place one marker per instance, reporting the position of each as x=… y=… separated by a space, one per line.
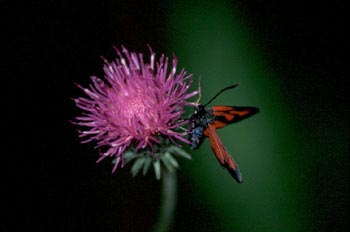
x=200 y=91
x=221 y=91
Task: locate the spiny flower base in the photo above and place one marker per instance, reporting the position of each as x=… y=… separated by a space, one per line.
x=163 y=157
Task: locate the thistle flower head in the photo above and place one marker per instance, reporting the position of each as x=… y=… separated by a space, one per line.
x=136 y=107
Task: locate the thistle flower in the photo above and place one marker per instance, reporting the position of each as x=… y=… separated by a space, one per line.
x=136 y=111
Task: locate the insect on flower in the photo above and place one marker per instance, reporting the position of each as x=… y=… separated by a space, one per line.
x=204 y=122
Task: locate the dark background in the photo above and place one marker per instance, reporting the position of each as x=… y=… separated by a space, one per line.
x=51 y=182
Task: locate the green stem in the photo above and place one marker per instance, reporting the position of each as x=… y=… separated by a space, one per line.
x=168 y=202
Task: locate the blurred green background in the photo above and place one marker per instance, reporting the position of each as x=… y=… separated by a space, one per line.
x=217 y=46
x=293 y=154
x=287 y=57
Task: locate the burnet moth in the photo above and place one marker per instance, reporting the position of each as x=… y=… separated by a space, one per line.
x=204 y=122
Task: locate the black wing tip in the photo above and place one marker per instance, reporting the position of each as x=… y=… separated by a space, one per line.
x=236 y=174
x=239 y=180
x=238 y=177
x=253 y=110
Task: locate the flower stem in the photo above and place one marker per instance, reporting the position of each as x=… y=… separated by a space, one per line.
x=168 y=202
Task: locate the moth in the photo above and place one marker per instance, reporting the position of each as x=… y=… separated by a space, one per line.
x=206 y=120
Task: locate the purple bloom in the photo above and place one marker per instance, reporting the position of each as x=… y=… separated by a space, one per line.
x=137 y=106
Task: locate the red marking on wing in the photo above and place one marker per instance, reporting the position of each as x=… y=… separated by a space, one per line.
x=225 y=115
x=222 y=154
x=218 y=124
x=222 y=108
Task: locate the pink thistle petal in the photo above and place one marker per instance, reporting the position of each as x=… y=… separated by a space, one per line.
x=137 y=103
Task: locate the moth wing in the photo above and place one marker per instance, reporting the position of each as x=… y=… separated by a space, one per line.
x=224 y=115
x=222 y=154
